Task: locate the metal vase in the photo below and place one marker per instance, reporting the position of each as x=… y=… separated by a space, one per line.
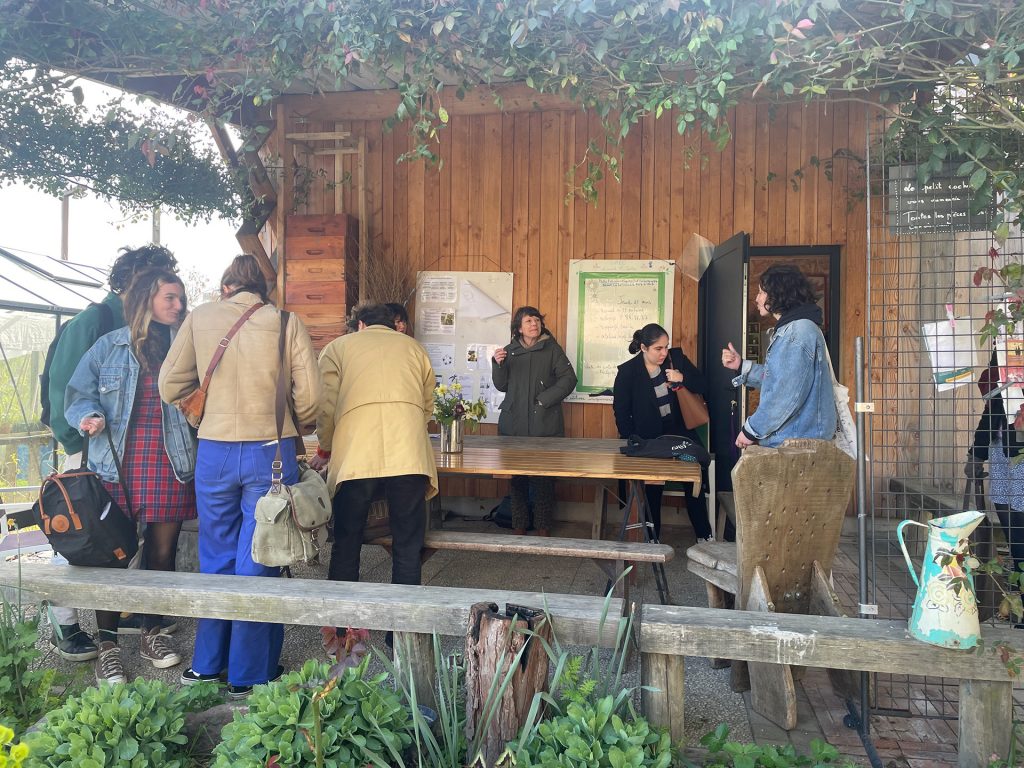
x=946 y=609
x=451 y=437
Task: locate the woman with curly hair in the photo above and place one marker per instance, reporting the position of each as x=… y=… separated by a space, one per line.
x=796 y=378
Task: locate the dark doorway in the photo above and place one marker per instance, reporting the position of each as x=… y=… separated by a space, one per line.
x=727 y=313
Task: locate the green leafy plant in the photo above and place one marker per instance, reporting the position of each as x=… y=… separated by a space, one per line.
x=450 y=406
x=11 y=755
x=310 y=718
x=26 y=684
x=574 y=689
x=129 y=724
x=723 y=753
x=1013 y=759
x=444 y=744
x=605 y=733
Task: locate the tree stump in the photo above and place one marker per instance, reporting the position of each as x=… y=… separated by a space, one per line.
x=492 y=644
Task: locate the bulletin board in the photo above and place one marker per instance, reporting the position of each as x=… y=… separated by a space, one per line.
x=608 y=300
x=461 y=319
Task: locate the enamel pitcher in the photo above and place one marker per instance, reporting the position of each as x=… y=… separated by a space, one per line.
x=944 y=614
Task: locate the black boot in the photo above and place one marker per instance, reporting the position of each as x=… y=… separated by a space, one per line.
x=73 y=643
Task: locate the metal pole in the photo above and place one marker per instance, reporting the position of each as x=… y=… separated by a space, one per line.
x=156 y=225
x=862 y=520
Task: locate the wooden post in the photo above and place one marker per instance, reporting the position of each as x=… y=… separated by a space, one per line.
x=414 y=657
x=492 y=644
x=772 y=691
x=664 y=707
x=986 y=712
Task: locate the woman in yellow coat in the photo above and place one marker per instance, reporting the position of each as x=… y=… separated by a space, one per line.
x=378 y=395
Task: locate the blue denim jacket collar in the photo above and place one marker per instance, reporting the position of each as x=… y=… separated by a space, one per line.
x=104 y=384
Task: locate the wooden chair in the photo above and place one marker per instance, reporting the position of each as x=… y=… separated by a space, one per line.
x=790 y=504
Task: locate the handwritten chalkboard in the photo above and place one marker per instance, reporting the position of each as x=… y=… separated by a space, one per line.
x=608 y=300
x=941 y=204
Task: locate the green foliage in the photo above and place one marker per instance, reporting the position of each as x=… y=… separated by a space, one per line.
x=723 y=753
x=602 y=734
x=129 y=725
x=573 y=690
x=945 y=71
x=11 y=755
x=308 y=718
x=442 y=745
x=26 y=684
x=135 y=153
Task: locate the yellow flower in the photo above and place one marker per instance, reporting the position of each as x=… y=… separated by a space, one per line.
x=18 y=753
x=442 y=389
x=456 y=387
x=6 y=735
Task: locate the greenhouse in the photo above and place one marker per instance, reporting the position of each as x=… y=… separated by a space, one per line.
x=37 y=294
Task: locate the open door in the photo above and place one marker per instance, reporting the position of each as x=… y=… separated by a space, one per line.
x=722 y=318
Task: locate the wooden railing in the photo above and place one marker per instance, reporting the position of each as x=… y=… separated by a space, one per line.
x=667 y=634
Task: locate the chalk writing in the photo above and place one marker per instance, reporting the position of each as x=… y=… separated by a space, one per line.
x=942 y=204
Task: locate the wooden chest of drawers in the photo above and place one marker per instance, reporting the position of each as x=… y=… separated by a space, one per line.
x=321 y=272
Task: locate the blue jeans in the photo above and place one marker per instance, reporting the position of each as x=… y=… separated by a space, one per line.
x=230 y=479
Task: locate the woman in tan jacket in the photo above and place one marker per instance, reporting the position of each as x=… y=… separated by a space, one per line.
x=237 y=443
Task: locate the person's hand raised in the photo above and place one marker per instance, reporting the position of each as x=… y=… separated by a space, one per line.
x=731 y=358
x=500 y=354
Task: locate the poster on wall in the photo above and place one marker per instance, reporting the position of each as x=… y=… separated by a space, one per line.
x=461 y=319
x=608 y=300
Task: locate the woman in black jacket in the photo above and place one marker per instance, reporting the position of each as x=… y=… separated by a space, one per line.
x=645 y=404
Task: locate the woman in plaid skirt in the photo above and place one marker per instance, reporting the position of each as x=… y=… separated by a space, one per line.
x=115 y=386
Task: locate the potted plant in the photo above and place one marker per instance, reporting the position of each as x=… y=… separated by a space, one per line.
x=451 y=412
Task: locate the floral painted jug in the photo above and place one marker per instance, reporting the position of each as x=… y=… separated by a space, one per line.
x=946 y=609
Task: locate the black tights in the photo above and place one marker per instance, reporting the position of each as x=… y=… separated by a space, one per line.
x=158 y=554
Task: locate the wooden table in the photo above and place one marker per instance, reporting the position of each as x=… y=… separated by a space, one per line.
x=578 y=459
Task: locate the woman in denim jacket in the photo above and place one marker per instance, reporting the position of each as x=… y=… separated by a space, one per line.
x=115 y=387
x=796 y=379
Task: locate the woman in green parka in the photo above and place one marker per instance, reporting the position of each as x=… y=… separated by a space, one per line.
x=536 y=376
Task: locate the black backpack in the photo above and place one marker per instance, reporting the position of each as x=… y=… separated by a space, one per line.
x=666 y=447
x=106 y=326
x=81 y=520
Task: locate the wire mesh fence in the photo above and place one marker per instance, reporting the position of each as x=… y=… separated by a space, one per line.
x=929 y=369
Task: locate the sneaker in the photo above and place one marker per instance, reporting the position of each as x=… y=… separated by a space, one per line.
x=191 y=677
x=239 y=692
x=72 y=643
x=108 y=664
x=155 y=650
x=132 y=625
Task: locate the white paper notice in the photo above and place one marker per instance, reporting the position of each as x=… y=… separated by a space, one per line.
x=473 y=302
x=442 y=357
x=440 y=288
x=951 y=349
x=478 y=356
x=438 y=321
x=468 y=382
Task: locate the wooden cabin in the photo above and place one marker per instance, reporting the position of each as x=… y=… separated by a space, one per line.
x=500 y=199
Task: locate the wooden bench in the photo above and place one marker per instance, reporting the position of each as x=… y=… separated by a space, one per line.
x=668 y=634
x=611 y=556
x=414 y=613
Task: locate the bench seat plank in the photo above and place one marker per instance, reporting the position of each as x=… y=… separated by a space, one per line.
x=399 y=607
x=815 y=641
x=543 y=545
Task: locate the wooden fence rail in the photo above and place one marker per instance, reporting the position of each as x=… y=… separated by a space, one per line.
x=667 y=634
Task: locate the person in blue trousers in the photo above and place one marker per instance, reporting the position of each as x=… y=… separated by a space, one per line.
x=237 y=443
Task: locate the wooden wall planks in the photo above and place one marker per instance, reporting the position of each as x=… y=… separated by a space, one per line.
x=498 y=202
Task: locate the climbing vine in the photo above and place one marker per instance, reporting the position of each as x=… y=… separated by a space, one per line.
x=944 y=71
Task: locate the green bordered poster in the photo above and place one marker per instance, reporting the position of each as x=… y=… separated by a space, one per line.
x=608 y=300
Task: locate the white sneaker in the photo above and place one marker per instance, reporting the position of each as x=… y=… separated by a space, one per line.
x=109 y=669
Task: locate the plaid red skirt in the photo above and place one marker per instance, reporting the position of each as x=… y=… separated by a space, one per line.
x=157 y=495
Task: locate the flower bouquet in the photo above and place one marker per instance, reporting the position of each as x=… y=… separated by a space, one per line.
x=451 y=412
